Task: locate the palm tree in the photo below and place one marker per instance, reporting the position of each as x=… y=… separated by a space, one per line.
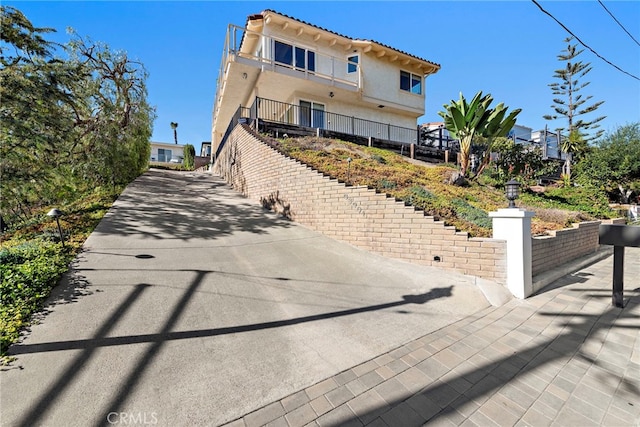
x=497 y=126
x=174 y=126
x=463 y=120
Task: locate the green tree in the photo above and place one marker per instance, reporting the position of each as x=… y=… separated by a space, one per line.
x=67 y=125
x=174 y=126
x=574 y=144
x=36 y=89
x=467 y=120
x=464 y=120
x=569 y=103
x=189 y=156
x=614 y=163
x=498 y=126
x=115 y=118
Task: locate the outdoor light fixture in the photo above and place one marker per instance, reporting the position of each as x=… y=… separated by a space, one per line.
x=55 y=213
x=348 y=168
x=331 y=94
x=513 y=191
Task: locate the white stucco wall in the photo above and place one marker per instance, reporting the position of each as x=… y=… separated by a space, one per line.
x=381 y=82
x=177 y=151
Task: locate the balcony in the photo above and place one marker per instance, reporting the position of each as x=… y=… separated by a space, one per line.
x=279 y=118
x=248 y=53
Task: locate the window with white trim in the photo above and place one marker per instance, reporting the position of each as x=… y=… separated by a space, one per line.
x=295 y=56
x=352 y=63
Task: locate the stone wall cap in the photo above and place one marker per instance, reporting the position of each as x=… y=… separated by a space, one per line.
x=512 y=213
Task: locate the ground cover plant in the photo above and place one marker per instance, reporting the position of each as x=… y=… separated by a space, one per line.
x=32 y=259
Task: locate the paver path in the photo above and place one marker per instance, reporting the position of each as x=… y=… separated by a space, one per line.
x=565 y=357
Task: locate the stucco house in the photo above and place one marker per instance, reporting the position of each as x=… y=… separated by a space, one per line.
x=279 y=68
x=164 y=152
x=205 y=149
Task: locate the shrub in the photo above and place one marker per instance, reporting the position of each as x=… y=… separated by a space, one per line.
x=29 y=271
x=518 y=161
x=189 y=156
x=387 y=185
x=418 y=196
x=585 y=199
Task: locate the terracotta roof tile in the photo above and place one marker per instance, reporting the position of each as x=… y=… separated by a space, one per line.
x=264 y=12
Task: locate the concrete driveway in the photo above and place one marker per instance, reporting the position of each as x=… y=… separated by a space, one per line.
x=192 y=305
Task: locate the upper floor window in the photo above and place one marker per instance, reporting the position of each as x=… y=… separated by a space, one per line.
x=352 y=63
x=295 y=56
x=411 y=82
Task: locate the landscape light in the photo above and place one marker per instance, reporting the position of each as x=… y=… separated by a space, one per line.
x=513 y=191
x=56 y=213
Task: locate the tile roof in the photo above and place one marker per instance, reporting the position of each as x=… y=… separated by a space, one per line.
x=264 y=12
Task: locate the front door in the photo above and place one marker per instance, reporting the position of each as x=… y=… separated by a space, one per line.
x=311 y=114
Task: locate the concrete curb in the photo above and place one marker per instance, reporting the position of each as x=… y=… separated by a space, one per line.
x=495 y=293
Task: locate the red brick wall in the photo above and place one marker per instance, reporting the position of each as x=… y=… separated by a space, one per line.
x=355 y=215
x=200 y=161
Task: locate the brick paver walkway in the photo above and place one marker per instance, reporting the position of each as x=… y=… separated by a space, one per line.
x=565 y=357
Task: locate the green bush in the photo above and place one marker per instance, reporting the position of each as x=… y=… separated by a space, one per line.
x=387 y=185
x=418 y=196
x=189 y=156
x=524 y=163
x=586 y=199
x=29 y=271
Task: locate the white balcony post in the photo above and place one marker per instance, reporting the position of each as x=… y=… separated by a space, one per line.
x=514 y=226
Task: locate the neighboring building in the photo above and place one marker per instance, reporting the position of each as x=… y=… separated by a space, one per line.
x=551 y=148
x=520 y=134
x=205 y=149
x=164 y=152
x=434 y=134
x=283 y=69
x=436 y=130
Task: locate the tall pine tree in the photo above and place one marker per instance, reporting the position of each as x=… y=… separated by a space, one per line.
x=569 y=102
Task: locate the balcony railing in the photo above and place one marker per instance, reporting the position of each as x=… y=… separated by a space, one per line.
x=291 y=114
x=264 y=113
x=254 y=48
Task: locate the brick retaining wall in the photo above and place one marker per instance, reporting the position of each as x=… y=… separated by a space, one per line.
x=372 y=221
x=562 y=246
x=353 y=214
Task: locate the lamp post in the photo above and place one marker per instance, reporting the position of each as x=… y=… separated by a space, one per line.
x=348 y=169
x=514 y=227
x=513 y=191
x=56 y=213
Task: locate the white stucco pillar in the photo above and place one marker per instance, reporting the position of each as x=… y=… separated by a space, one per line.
x=514 y=226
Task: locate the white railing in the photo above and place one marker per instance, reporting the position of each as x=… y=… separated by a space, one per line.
x=252 y=47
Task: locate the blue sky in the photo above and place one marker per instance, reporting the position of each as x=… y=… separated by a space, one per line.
x=506 y=48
